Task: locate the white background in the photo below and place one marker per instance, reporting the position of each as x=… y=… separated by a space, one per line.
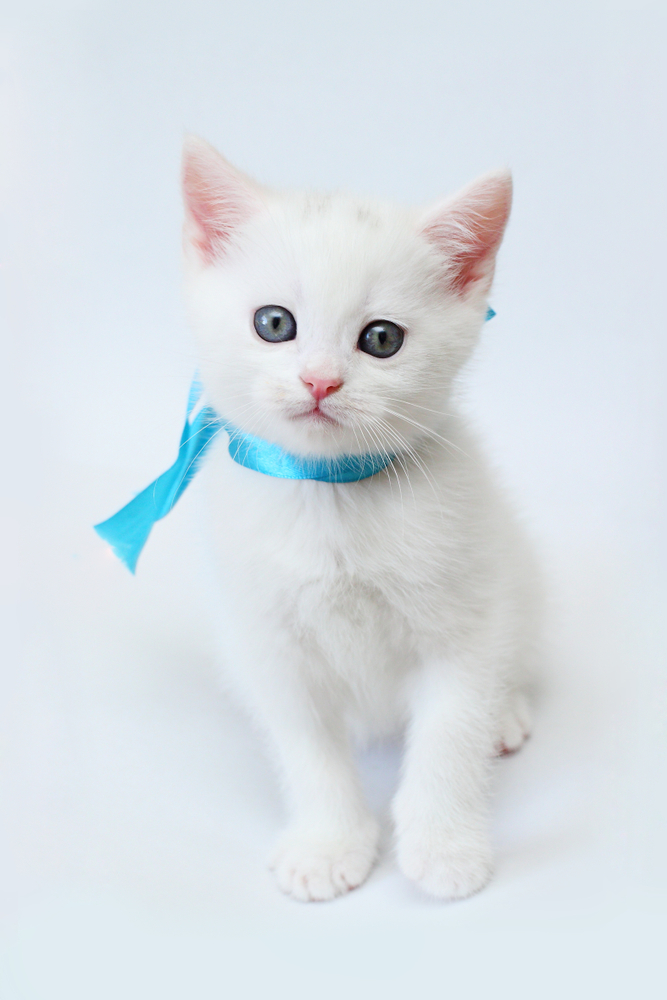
x=138 y=807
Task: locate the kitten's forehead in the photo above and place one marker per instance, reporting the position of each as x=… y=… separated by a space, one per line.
x=340 y=254
x=332 y=210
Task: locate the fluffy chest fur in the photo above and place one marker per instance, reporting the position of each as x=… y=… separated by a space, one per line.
x=367 y=576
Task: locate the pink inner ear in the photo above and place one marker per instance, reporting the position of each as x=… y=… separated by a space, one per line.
x=201 y=205
x=469 y=230
x=216 y=199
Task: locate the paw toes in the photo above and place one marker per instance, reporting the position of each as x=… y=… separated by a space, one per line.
x=321 y=870
x=448 y=871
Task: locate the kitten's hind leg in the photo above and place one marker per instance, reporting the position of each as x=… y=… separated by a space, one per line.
x=516 y=723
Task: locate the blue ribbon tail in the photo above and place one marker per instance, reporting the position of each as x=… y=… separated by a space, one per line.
x=127 y=531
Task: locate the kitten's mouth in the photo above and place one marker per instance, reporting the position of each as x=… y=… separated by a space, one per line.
x=315 y=416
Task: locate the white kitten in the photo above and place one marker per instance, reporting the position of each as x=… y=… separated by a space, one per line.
x=405 y=600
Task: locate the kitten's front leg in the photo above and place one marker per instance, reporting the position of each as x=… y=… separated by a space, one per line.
x=440 y=809
x=331 y=842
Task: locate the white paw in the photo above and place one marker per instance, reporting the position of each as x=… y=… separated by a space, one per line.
x=515 y=725
x=314 y=866
x=448 y=868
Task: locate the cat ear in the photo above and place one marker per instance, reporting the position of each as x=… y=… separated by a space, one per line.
x=468 y=229
x=217 y=197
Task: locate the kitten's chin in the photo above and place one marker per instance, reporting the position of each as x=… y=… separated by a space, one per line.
x=315 y=433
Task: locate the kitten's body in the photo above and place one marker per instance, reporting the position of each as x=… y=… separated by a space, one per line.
x=406 y=600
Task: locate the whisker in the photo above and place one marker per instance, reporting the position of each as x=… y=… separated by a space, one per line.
x=384 y=451
x=420 y=406
x=410 y=451
x=427 y=430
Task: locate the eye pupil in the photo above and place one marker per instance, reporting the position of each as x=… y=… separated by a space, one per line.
x=275 y=324
x=381 y=339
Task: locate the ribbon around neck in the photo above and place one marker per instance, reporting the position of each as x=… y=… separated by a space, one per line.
x=127 y=531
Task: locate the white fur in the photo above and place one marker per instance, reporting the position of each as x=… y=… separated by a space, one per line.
x=405 y=601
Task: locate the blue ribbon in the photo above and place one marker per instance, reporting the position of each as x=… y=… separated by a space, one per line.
x=128 y=530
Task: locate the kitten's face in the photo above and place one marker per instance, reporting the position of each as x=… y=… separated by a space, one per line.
x=372 y=317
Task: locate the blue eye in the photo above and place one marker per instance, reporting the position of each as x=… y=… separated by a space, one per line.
x=381 y=338
x=275 y=324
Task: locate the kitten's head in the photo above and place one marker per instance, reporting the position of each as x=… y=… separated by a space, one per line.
x=328 y=324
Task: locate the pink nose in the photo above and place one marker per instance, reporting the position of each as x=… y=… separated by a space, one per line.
x=321 y=387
